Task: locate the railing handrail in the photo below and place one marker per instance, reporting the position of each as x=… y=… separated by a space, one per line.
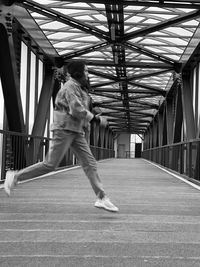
x=41 y=137
x=181 y=157
x=18 y=151
x=24 y=134
x=175 y=144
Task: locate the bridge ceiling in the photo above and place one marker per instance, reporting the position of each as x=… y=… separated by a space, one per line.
x=132 y=48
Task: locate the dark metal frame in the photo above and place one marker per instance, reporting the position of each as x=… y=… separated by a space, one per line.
x=127 y=110
x=118 y=41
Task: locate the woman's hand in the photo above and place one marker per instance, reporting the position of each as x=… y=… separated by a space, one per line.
x=103 y=120
x=98 y=118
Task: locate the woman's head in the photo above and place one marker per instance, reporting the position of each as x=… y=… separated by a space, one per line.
x=78 y=71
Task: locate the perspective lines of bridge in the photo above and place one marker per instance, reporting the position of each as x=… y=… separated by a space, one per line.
x=52 y=221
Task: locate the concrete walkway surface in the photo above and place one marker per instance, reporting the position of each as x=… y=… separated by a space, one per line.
x=52 y=221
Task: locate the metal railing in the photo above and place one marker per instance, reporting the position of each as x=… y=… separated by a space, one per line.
x=19 y=150
x=181 y=157
x=102 y=153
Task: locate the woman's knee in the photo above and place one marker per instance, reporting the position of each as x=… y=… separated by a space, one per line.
x=92 y=165
x=49 y=166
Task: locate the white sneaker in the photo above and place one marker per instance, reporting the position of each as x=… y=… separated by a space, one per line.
x=10 y=181
x=105 y=204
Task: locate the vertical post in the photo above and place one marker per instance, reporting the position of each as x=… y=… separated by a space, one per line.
x=42 y=113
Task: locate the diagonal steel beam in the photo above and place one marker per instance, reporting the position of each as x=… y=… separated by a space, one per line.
x=142 y=96
x=160 y=26
x=141 y=76
x=127 y=80
x=10 y=82
x=144 y=51
x=103 y=84
x=106 y=102
x=57 y=16
x=146 y=103
x=104 y=75
x=41 y=114
x=111 y=96
x=84 y=51
x=160 y=91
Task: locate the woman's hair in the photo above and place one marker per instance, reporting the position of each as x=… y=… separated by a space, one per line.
x=76 y=69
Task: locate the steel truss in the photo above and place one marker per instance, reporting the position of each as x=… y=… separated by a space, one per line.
x=125 y=79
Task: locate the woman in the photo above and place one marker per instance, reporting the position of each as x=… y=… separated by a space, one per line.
x=72 y=118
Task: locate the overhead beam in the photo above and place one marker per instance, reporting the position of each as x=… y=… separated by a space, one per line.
x=142 y=65
x=133 y=91
x=131 y=104
x=137 y=114
x=115 y=18
x=123 y=109
x=114 y=120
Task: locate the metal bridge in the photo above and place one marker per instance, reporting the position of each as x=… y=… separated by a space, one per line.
x=143 y=60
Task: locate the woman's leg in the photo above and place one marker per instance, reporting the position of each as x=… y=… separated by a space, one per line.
x=58 y=147
x=82 y=151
